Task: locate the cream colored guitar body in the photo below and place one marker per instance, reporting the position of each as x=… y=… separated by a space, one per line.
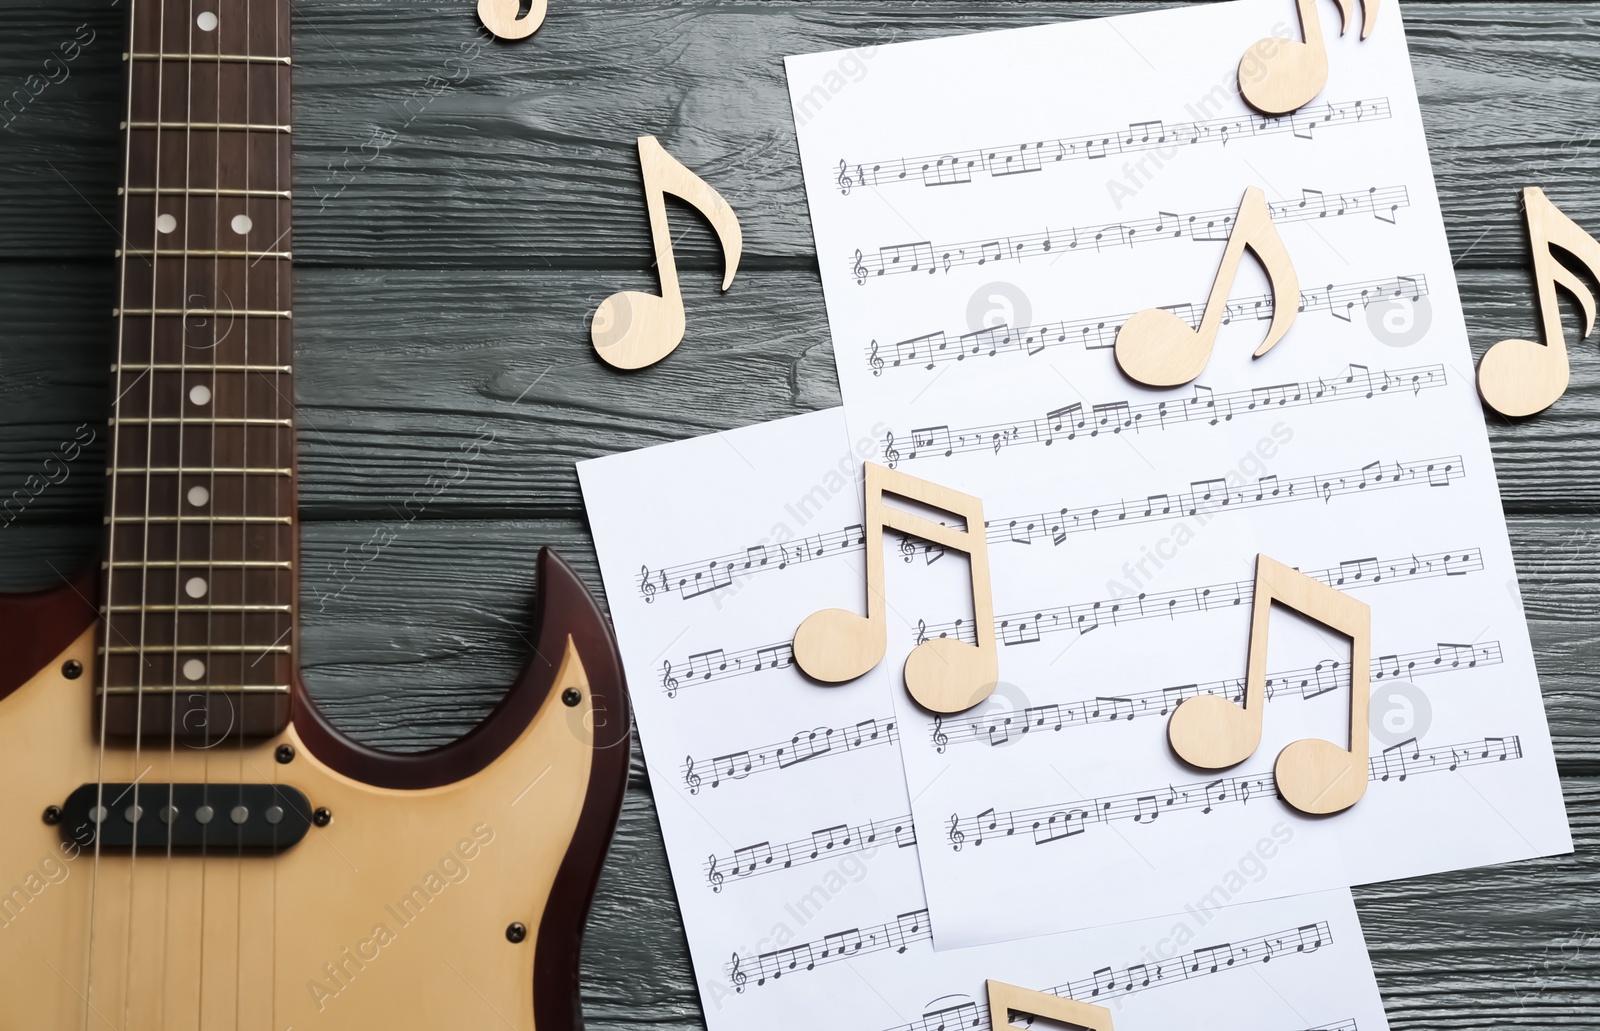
x=393 y=916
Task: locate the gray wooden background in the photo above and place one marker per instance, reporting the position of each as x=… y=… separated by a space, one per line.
x=451 y=242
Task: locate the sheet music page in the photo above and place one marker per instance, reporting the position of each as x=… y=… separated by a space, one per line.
x=988 y=211
x=784 y=806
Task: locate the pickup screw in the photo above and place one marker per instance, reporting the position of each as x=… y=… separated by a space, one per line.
x=571 y=696
x=516 y=933
x=322 y=817
x=72 y=669
x=285 y=754
x=52 y=815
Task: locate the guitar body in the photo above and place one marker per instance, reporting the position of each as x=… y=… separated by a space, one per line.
x=394 y=915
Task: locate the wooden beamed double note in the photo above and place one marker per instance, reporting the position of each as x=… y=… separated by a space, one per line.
x=1313 y=775
x=1278 y=76
x=943 y=675
x=631 y=330
x=1159 y=349
x=1520 y=377
x=501 y=17
x=1005 y=999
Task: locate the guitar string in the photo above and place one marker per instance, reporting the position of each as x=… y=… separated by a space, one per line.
x=281 y=116
x=113 y=458
x=244 y=509
x=211 y=530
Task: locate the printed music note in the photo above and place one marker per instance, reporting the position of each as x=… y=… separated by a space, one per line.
x=1159 y=349
x=1313 y=775
x=500 y=17
x=1520 y=377
x=944 y=675
x=1005 y=999
x=1277 y=76
x=631 y=330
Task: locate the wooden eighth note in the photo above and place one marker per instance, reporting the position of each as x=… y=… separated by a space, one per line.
x=1520 y=377
x=1313 y=775
x=630 y=329
x=500 y=17
x=1157 y=348
x=944 y=675
x=1277 y=76
x=1004 y=999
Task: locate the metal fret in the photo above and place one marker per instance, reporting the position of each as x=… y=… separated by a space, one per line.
x=198 y=471
x=198 y=191
x=208 y=126
x=200 y=689
x=121 y=520
x=180 y=564
x=224 y=58
x=176 y=421
x=197 y=609
x=186 y=312
x=181 y=253
x=180 y=649
x=199 y=367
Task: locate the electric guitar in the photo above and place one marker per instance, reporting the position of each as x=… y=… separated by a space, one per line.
x=185 y=840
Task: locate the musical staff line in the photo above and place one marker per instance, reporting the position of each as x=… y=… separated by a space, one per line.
x=1306 y=683
x=1206 y=405
x=1104 y=983
x=1012 y=159
x=1050 y=823
x=803 y=747
x=1027 y=628
x=1206 y=497
x=905 y=930
x=821 y=844
x=1019 y=628
x=1211 y=226
x=930 y=349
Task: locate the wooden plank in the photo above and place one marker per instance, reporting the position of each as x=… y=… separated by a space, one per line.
x=523 y=155
x=397 y=369
x=420 y=673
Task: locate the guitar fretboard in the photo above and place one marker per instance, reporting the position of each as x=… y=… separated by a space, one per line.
x=199 y=576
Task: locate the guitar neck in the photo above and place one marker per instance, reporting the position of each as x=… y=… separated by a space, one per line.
x=199 y=581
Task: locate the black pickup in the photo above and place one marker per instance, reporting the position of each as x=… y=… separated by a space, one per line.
x=187 y=818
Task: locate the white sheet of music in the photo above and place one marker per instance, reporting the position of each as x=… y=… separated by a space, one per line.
x=803 y=907
x=988 y=210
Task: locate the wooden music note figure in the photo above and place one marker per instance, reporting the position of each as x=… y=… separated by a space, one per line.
x=500 y=17
x=1004 y=999
x=1520 y=377
x=630 y=329
x=1313 y=775
x=1158 y=349
x=1277 y=76
x=944 y=675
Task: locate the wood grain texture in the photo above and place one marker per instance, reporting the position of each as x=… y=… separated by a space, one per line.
x=453 y=236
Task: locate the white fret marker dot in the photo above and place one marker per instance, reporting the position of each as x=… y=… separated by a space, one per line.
x=165 y=223
x=194 y=669
x=198 y=496
x=200 y=394
x=195 y=588
x=207 y=21
x=242 y=224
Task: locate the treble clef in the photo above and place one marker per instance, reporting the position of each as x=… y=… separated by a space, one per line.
x=690 y=777
x=922 y=630
x=875 y=361
x=860 y=270
x=956 y=837
x=714 y=876
x=844 y=181
x=737 y=976
x=668 y=681
x=646 y=588
x=940 y=738
x=891 y=455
